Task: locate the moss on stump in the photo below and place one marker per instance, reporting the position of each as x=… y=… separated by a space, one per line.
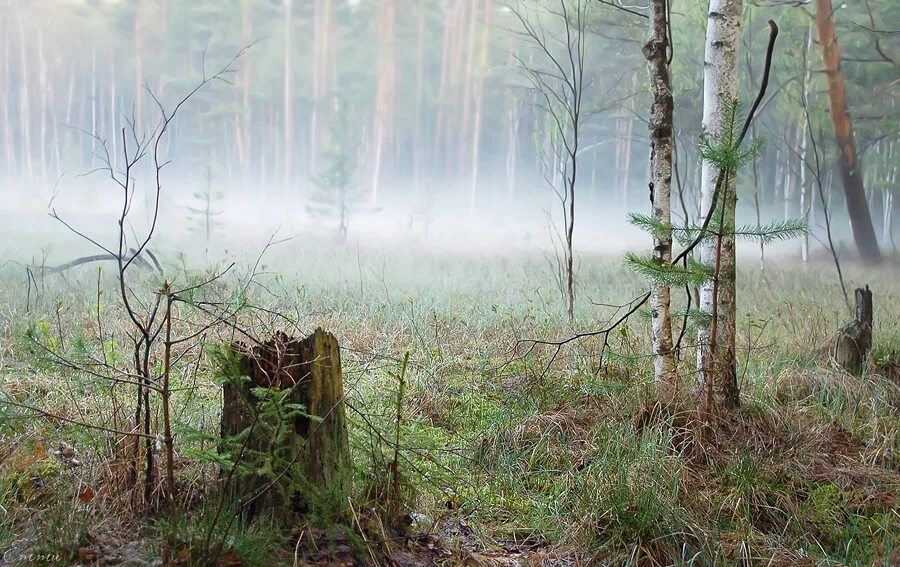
x=285 y=428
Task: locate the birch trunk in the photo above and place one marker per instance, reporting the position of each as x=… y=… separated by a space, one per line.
x=719 y=89
x=656 y=52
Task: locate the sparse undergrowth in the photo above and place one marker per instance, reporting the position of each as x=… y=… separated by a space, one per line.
x=505 y=458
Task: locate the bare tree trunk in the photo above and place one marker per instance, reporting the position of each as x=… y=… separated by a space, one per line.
x=420 y=85
x=887 y=198
x=806 y=196
x=93 y=100
x=860 y=219
x=513 y=119
x=113 y=112
x=138 y=69
x=317 y=69
x=384 y=102
x=479 y=99
x=24 y=108
x=456 y=52
x=288 y=103
x=804 y=192
x=661 y=138
x=6 y=90
x=442 y=88
x=789 y=171
x=719 y=89
x=891 y=177
x=320 y=71
x=246 y=83
x=514 y=116
x=629 y=135
x=42 y=83
x=618 y=160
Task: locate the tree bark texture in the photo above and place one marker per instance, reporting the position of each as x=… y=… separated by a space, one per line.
x=848 y=163
x=719 y=90
x=310 y=447
x=656 y=51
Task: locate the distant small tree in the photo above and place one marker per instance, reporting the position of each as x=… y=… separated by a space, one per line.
x=337 y=190
x=557 y=77
x=206 y=210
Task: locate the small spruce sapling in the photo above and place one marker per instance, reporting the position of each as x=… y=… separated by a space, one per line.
x=336 y=185
x=727 y=152
x=205 y=212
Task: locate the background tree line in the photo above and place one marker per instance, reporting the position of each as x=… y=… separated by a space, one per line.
x=436 y=95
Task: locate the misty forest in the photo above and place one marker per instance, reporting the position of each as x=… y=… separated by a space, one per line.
x=449 y=282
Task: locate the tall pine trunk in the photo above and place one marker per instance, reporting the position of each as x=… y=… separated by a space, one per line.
x=857 y=208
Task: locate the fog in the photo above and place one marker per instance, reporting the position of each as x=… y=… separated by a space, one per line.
x=448 y=140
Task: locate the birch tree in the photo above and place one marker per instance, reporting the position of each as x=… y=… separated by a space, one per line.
x=719 y=91
x=656 y=51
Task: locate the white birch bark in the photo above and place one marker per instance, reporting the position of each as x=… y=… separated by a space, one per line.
x=719 y=88
x=661 y=132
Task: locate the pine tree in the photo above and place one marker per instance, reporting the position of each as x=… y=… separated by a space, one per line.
x=337 y=189
x=204 y=214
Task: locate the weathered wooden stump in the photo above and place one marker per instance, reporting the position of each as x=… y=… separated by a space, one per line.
x=284 y=424
x=855 y=339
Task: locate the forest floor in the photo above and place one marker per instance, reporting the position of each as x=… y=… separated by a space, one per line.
x=508 y=455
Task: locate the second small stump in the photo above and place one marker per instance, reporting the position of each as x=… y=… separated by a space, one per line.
x=851 y=347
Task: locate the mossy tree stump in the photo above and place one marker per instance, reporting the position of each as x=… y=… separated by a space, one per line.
x=855 y=339
x=284 y=425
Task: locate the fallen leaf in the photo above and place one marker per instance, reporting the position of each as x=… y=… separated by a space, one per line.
x=86 y=554
x=230 y=559
x=87 y=495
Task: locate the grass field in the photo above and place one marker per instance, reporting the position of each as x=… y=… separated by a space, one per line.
x=508 y=454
